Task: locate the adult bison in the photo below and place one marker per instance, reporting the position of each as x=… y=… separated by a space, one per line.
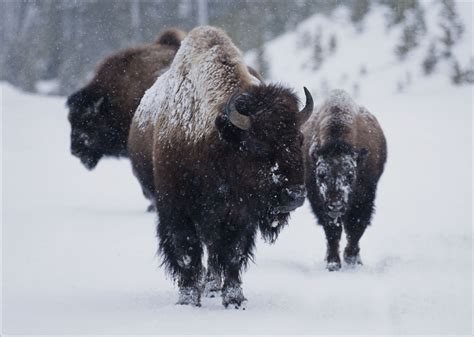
x=100 y=113
x=345 y=152
x=221 y=156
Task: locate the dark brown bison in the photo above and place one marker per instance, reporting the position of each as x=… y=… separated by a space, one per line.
x=100 y=113
x=220 y=153
x=345 y=153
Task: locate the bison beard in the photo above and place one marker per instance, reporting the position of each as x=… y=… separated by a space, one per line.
x=221 y=167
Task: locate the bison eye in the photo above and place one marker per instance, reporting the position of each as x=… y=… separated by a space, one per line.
x=350 y=177
x=258 y=148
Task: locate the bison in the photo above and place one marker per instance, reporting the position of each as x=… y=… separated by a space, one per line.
x=220 y=153
x=345 y=153
x=100 y=113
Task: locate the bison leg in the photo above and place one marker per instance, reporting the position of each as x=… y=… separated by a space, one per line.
x=234 y=254
x=232 y=293
x=146 y=190
x=333 y=233
x=144 y=175
x=354 y=232
x=182 y=252
x=357 y=221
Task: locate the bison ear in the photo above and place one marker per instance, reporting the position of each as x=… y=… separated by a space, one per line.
x=246 y=104
x=86 y=100
x=93 y=107
x=237 y=110
x=98 y=103
x=77 y=99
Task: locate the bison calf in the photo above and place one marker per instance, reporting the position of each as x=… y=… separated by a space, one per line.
x=100 y=113
x=345 y=153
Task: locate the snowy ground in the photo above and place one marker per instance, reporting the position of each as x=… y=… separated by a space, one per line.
x=78 y=250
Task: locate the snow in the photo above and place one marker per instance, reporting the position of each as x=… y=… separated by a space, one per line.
x=47 y=87
x=146 y=111
x=193 y=88
x=79 y=250
x=276 y=177
x=341 y=99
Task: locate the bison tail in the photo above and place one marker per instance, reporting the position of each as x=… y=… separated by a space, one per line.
x=171 y=37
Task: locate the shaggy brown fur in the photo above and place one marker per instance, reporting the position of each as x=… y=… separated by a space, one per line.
x=140 y=150
x=345 y=151
x=101 y=112
x=216 y=179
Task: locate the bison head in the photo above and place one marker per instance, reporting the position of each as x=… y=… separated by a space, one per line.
x=264 y=124
x=94 y=132
x=335 y=171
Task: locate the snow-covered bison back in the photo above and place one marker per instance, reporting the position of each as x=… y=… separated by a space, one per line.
x=100 y=113
x=221 y=155
x=345 y=152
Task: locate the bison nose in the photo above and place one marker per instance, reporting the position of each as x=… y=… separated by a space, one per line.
x=335 y=206
x=293 y=197
x=296 y=192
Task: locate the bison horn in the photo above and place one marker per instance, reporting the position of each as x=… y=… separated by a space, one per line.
x=307 y=110
x=236 y=118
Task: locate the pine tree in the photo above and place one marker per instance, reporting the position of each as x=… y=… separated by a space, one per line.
x=358 y=10
x=398 y=10
x=303 y=40
x=318 y=52
x=451 y=27
x=262 y=64
x=332 y=44
x=431 y=60
x=413 y=31
x=462 y=76
x=457 y=75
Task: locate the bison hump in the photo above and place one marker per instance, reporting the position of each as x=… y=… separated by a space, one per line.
x=171 y=37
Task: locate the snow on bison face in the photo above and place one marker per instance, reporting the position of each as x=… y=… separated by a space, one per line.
x=336 y=176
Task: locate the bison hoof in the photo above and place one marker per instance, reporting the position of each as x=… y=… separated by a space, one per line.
x=189 y=296
x=233 y=297
x=334 y=261
x=353 y=260
x=333 y=266
x=352 y=256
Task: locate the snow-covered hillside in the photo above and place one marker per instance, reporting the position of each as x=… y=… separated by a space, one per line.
x=362 y=62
